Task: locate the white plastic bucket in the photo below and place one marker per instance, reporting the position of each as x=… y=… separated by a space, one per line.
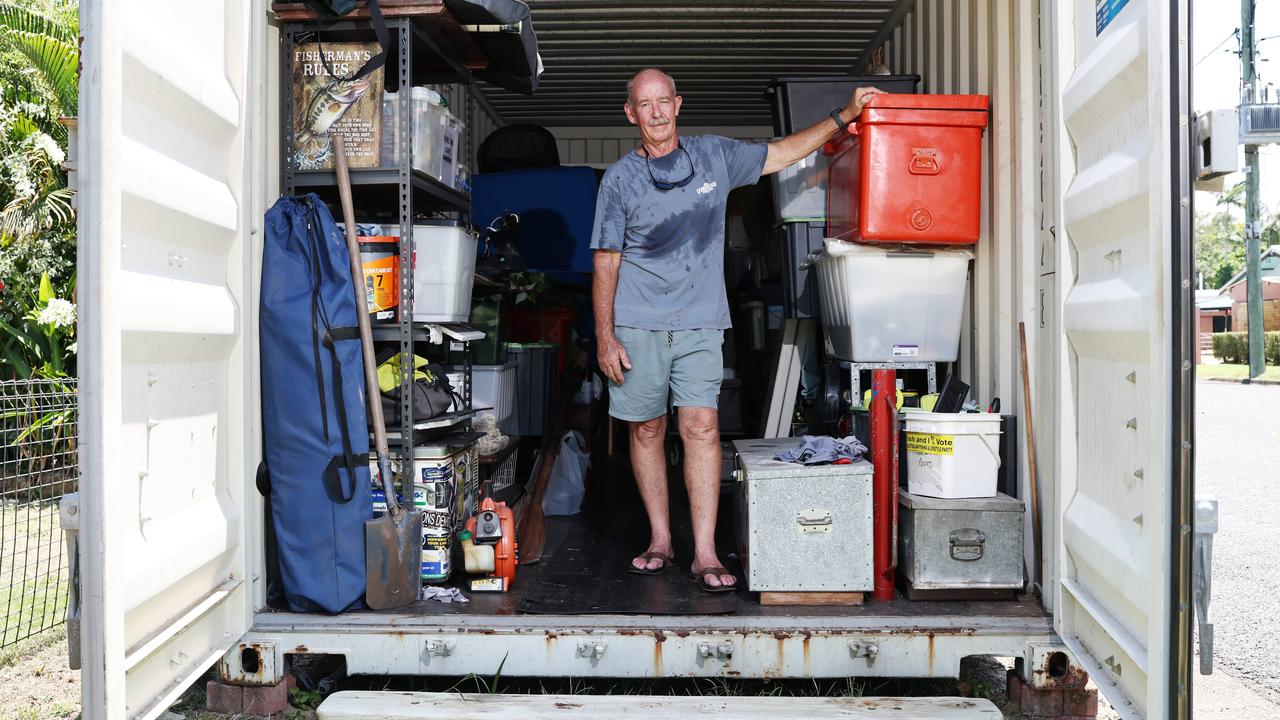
x=952 y=455
x=444 y=269
x=886 y=304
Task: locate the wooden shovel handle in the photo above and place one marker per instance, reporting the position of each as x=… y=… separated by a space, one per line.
x=362 y=319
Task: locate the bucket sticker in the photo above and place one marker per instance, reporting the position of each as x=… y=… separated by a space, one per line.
x=931 y=444
x=906 y=351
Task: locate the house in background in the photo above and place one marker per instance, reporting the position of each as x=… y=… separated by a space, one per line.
x=1213 y=312
x=1237 y=287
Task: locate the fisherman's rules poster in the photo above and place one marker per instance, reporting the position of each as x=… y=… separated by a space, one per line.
x=324 y=102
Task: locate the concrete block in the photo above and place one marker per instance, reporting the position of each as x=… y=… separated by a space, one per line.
x=266 y=701
x=222 y=698
x=1041 y=703
x=1080 y=703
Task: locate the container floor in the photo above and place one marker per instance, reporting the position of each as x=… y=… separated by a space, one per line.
x=583 y=572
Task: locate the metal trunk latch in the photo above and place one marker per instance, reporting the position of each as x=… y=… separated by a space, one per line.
x=814 y=521
x=967 y=544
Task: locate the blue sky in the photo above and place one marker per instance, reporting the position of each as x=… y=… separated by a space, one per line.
x=1216 y=79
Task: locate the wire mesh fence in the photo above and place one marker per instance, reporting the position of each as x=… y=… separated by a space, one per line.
x=38 y=466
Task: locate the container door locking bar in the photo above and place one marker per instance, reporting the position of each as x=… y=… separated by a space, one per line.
x=1202 y=576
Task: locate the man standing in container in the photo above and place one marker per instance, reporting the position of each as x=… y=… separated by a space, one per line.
x=660 y=302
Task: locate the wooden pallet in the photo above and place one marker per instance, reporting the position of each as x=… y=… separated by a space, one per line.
x=811 y=598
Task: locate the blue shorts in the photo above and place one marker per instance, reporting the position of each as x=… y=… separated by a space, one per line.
x=668 y=367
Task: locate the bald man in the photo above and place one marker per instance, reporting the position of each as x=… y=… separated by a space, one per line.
x=660 y=303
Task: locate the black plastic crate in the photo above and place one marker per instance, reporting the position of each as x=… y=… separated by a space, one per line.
x=799 y=102
x=799 y=281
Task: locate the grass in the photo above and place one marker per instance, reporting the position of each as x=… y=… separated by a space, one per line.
x=1234 y=372
x=33 y=586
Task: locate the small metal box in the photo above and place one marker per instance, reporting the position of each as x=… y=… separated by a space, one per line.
x=963 y=544
x=802 y=528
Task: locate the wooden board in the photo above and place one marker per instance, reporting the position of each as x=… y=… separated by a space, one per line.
x=385 y=705
x=811 y=598
x=429 y=15
x=295 y=11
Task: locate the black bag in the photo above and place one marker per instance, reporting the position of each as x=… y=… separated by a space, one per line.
x=338 y=8
x=429 y=400
x=431 y=396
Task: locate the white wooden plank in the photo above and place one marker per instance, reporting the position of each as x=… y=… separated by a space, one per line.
x=371 y=705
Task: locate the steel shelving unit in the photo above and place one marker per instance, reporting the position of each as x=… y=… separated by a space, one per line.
x=415 y=58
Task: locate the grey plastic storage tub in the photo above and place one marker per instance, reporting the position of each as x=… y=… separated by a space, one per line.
x=535 y=380
x=799 y=102
x=797 y=240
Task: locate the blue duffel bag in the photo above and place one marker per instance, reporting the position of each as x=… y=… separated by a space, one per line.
x=315 y=435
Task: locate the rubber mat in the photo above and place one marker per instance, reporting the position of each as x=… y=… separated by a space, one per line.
x=587 y=574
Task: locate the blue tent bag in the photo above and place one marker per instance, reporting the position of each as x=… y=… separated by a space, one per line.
x=315 y=436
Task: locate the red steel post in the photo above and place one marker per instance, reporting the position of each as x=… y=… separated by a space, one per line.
x=884 y=454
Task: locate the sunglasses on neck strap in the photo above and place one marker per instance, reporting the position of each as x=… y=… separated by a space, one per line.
x=663 y=184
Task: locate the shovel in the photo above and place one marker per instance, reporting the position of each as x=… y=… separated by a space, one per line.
x=392 y=542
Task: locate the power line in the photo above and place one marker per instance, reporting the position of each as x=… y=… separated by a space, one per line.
x=1234 y=34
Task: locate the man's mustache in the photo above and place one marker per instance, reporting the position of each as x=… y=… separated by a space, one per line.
x=658 y=123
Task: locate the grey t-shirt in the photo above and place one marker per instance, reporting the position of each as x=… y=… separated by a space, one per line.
x=672 y=241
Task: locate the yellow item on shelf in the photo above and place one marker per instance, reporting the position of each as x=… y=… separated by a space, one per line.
x=927 y=402
x=866 y=399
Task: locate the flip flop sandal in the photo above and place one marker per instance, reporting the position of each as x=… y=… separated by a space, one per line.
x=667 y=562
x=699 y=578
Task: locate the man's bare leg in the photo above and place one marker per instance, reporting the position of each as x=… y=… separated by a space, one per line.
x=700 y=431
x=649 y=463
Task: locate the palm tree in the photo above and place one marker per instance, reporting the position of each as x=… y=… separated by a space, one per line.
x=37 y=88
x=1270 y=235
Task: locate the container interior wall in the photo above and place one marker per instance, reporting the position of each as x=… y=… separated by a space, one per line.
x=600 y=146
x=994 y=48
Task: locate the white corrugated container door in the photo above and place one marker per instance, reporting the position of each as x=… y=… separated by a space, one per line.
x=168 y=95
x=1122 y=165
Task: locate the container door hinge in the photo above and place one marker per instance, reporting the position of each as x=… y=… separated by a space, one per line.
x=591 y=649
x=867 y=650
x=723 y=651
x=69 y=517
x=440 y=648
x=1202 y=576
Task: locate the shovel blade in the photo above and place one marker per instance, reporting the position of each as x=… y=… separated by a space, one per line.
x=393 y=560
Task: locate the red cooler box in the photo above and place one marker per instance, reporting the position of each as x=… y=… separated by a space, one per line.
x=909 y=171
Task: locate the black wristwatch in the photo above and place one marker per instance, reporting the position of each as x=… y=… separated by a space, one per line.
x=839 y=121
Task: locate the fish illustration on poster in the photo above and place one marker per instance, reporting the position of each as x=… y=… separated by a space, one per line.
x=326 y=100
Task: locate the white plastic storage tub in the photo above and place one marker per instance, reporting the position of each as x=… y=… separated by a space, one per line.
x=494 y=386
x=444 y=268
x=891 y=304
x=952 y=455
x=800 y=191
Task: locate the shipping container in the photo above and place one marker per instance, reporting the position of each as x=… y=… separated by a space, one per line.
x=1084 y=238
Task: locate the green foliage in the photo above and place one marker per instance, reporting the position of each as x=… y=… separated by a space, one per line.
x=1234 y=197
x=1219 y=247
x=1233 y=347
x=38 y=84
x=48 y=42
x=305 y=699
x=40 y=340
